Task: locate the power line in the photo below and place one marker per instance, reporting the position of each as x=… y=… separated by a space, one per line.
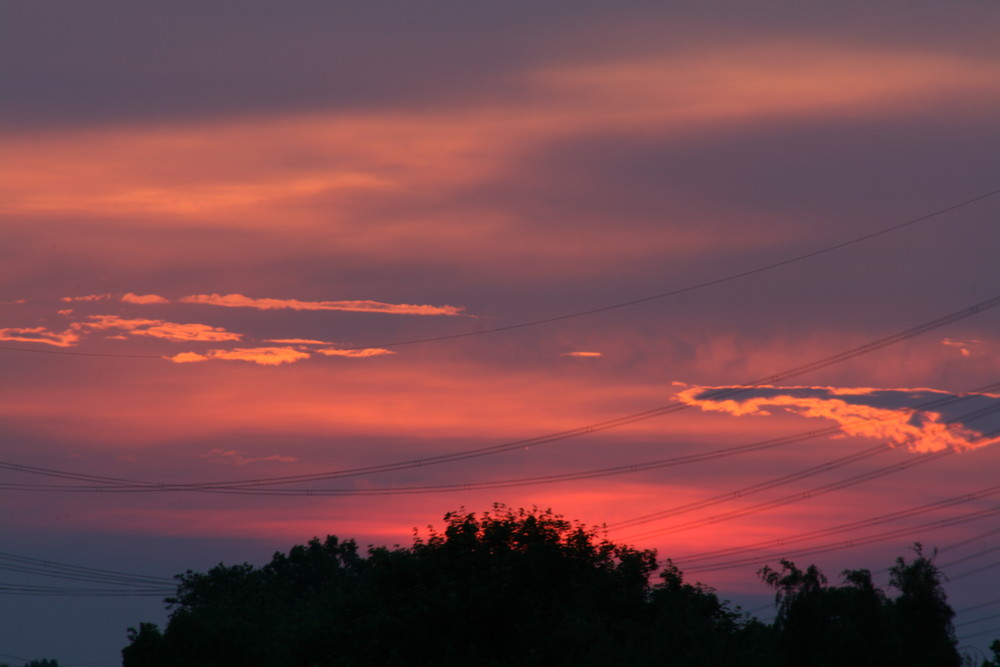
x=969 y=573
x=54 y=569
x=974 y=607
x=690 y=288
x=57 y=591
x=808 y=472
x=853 y=525
x=600 y=472
x=978 y=620
x=836 y=546
x=794 y=497
x=993 y=631
x=538 y=440
x=592 y=311
x=971 y=556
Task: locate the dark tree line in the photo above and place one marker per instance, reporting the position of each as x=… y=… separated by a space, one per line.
x=527 y=587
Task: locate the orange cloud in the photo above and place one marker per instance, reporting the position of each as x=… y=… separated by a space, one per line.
x=885 y=414
x=238 y=459
x=366 y=352
x=241 y=301
x=297 y=341
x=964 y=347
x=174 y=331
x=143 y=298
x=88 y=297
x=67 y=338
x=265 y=356
x=581 y=354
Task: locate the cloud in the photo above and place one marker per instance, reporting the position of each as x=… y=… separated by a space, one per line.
x=297 y=341
x=87 y=297
x=174 y=331
x=886 y=414
x=366 y=352
x=964 y=347
x=143 y=298
x=581 y=354
x=238 y=459
x=363 y=306
x=67 y=338
x=265 y=356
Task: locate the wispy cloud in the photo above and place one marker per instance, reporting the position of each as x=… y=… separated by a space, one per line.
x=237 y=458
x=366 y=352
x=265 y=356
x=886 y=414
x=67 y=338
x=87 y=297
x=128 y=297
x=583 y=354
x=174 y=331
x=361 y=306
x=963 y=346
x=143 y=298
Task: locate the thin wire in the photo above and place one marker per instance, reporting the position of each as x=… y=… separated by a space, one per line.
x=29 y=565
x=969 y=573
x=18 y=589
x=978 y=620
x=993 y=631
x=853 y=525
x=725 y=392
x=974 y=607
x=690 y=288
x=867 y=476
x=599 y=472
x=836 y=546
x=592 y=311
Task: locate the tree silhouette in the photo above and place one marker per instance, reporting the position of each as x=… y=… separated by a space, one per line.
x=857 y=624
x=821 y=625
x=922 y=615
x=528 y=587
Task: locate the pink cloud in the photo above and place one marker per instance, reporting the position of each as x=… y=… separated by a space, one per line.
x=236 y=458
x=67 y=338
x=964 y=347
x=264 y=356
x=174 y=331
x=362 y=306
x=88 y=297
x=366 y=352
x=886 y=414
x=143 y=298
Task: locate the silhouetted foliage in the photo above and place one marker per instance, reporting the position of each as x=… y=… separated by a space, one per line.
x=820 y=625
x=923 y=617
x=995 y=662
x=857 y=624
x=528 y=587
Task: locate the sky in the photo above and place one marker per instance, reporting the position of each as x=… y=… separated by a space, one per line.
x=622 y=260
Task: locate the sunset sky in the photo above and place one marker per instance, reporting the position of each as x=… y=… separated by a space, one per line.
x=423 y=256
